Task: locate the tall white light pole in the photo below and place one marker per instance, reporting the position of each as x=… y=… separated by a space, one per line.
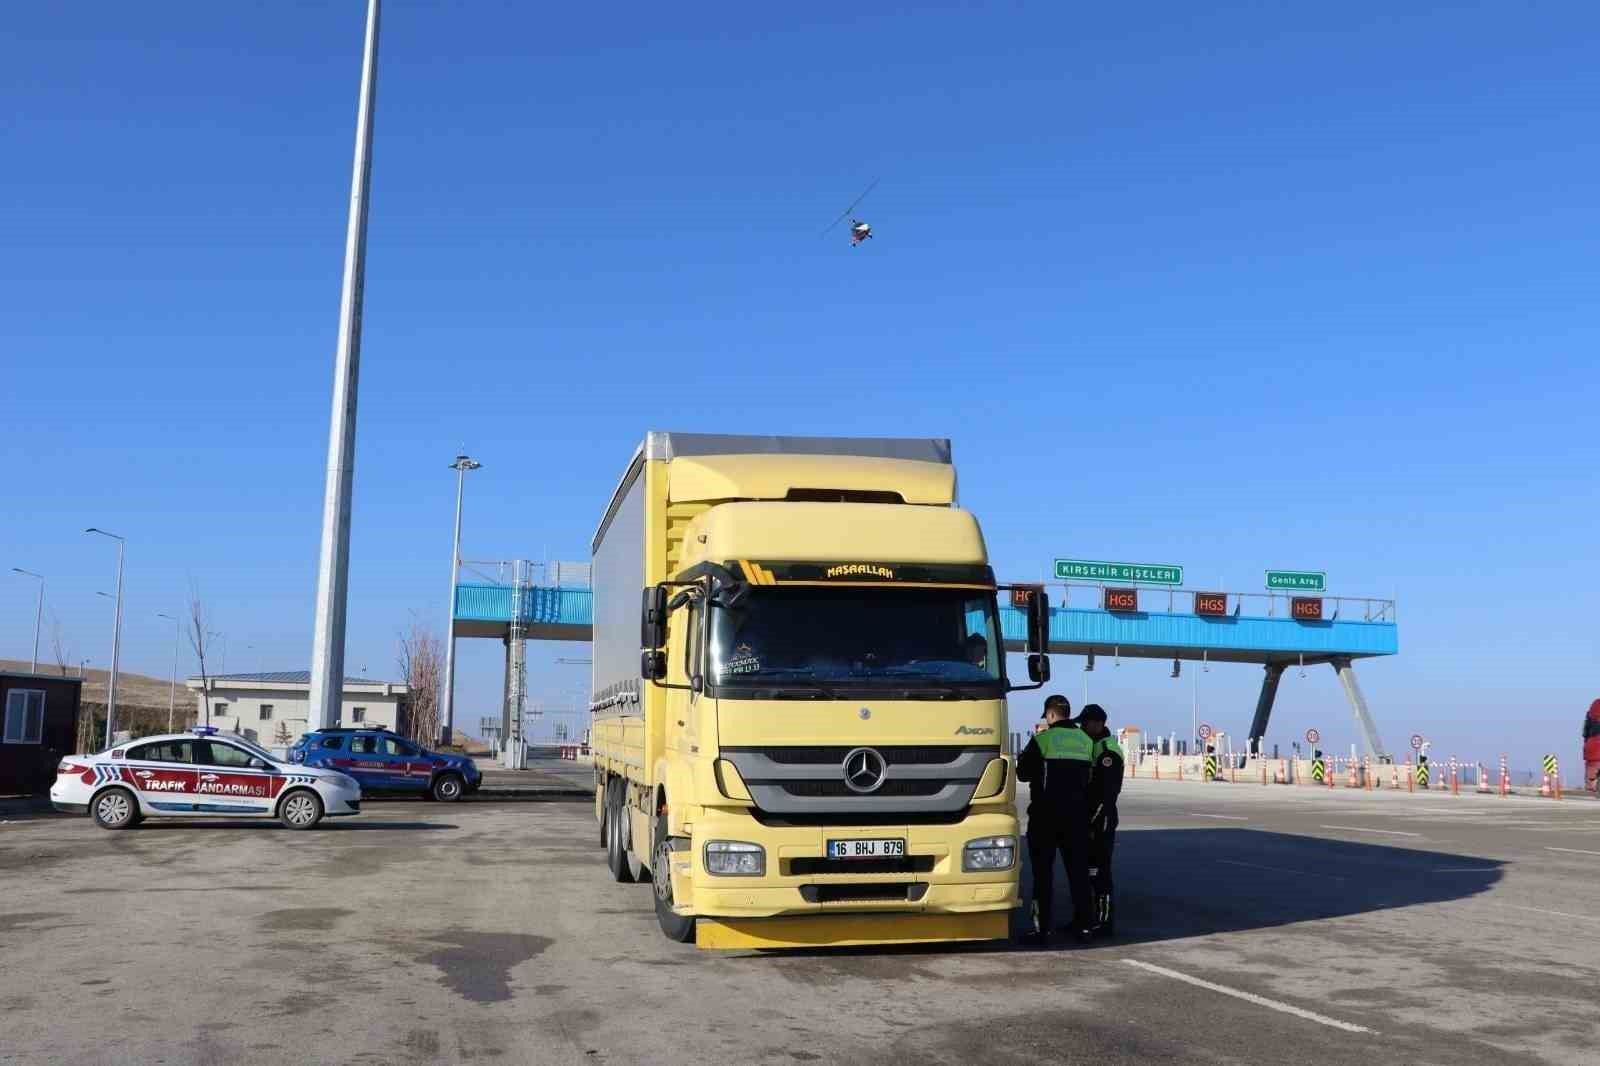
x=333 y=570
x=38 y=615
x=447 y=717
x=116 y=637
x=172 y=687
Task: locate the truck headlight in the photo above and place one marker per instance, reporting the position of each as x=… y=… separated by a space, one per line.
x=735 y=858
x=989 y=853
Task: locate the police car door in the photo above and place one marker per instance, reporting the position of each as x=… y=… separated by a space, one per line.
x=367 y=763
x=230 y=780
x=163 y=773
x=406 y=766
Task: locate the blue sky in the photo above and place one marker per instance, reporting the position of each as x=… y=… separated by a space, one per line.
x=1231 y=285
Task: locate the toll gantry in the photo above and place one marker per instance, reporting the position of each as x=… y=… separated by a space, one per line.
x=519 y=601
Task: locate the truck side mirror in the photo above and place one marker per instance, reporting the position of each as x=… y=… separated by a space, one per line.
x=1038 y=621
x=653 y=618
x=653 y=664
x=1039 y=669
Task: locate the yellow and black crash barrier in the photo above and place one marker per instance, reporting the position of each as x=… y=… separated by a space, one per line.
x=1422 y=773
x=1549 y=765
x=1318 y=769
x=1211 y=766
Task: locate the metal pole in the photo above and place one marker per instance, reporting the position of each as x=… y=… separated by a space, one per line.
x=38 y=615
x=172 y=687
x=116 y=650
x=333 y=571
x=447 y=718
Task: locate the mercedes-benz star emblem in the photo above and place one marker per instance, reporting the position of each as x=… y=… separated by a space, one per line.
x=864 y=714
x=864 y=770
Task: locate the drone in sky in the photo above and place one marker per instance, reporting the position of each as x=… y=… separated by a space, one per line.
x=859 y=230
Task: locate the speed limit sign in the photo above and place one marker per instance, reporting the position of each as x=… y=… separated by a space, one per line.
x=1416 y=741
x=1313 y=737
x=1204 y=731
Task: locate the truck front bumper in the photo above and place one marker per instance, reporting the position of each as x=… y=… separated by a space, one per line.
x=801 y=883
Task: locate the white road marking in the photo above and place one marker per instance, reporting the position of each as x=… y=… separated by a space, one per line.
x=1228 y=817
x=1251 y=997
x=1281 y=870
x=1541 y=910
x=1574 y=851
x=1366 y=829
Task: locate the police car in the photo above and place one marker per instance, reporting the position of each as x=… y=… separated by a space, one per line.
x=197 y=775
x=383 y=761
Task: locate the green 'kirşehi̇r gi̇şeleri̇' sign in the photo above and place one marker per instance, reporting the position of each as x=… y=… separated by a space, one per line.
x=1140 y=573
x=1298 y=580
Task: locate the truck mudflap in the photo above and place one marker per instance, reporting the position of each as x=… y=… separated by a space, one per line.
x=850 y=930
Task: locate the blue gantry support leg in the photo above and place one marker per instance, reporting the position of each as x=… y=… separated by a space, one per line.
x=1269 y=694
x=1358 y=703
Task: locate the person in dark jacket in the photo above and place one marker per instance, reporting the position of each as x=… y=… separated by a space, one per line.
x=1105 y=785
x=1056 y=765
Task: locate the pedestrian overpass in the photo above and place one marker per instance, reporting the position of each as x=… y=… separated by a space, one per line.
x=518 y=601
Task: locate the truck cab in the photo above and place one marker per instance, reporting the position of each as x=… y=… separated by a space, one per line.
x=811 y=745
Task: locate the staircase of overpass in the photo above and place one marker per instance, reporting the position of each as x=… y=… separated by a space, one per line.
x=523 y=601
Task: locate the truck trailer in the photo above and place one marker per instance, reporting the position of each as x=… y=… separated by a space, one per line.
x=799 y=694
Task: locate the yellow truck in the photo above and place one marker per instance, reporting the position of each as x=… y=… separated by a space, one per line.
x=799 y=704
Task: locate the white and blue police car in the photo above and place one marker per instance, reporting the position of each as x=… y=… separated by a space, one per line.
x=198 y=774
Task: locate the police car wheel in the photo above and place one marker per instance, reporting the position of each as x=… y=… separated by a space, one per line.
x=678 y=928
x=115 y=808
x=447 y=788
x=301 y=809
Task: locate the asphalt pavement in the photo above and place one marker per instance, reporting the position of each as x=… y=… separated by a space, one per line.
x=1257 y=925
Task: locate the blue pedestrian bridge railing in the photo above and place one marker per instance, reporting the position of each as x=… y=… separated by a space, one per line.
x=1256 y=627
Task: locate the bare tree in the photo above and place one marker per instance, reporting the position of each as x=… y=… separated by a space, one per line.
x=421 y=661
x=282 y=736
x=58 y=643
x=200 y=635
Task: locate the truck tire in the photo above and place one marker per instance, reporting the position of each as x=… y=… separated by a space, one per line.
x=616 y=854
x=601 y=795
x=679 y=928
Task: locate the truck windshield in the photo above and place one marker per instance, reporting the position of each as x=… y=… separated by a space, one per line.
x=877 y=637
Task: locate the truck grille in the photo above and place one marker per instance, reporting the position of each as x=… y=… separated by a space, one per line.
x=932 y=755
x=808 y=780
x=872 y=892
x=839 y=788
x=899 y=864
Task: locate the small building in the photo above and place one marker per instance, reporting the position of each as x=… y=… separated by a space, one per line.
x=38 y=728
x=273 y=709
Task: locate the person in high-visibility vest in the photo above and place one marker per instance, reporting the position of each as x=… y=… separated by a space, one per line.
x=1105 y=785
x=1056 y=764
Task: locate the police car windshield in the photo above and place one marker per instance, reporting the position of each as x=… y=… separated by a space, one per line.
x=253 y=749
x=883 y=637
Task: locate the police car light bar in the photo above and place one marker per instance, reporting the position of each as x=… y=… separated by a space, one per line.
x=204 y=730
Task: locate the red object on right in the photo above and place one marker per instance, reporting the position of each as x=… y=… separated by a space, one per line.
x=1591 y=746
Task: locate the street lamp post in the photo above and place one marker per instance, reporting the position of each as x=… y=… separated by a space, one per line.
x=116 y=637
x=38 y=616
x=172 y=688
x=447 y=718
x=333 y=568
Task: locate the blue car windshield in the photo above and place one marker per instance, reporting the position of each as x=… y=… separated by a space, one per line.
x=890 y=636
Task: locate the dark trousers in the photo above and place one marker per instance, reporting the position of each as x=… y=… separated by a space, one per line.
x=1101 y=846
x=1071 y=838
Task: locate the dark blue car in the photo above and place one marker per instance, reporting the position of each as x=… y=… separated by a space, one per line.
x=387 y=762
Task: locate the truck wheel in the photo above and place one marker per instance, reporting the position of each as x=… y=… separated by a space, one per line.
x=115 y=808
x=447 y=788
x=601 y=795
x=616 y=855
x=679 y=928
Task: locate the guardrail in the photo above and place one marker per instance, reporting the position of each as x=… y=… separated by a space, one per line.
x=1242 y=604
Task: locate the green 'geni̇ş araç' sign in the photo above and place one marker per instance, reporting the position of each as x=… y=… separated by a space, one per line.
x=1298 y=580
x=1139 y=573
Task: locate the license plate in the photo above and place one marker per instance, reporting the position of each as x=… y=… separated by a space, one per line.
x=865 y=849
